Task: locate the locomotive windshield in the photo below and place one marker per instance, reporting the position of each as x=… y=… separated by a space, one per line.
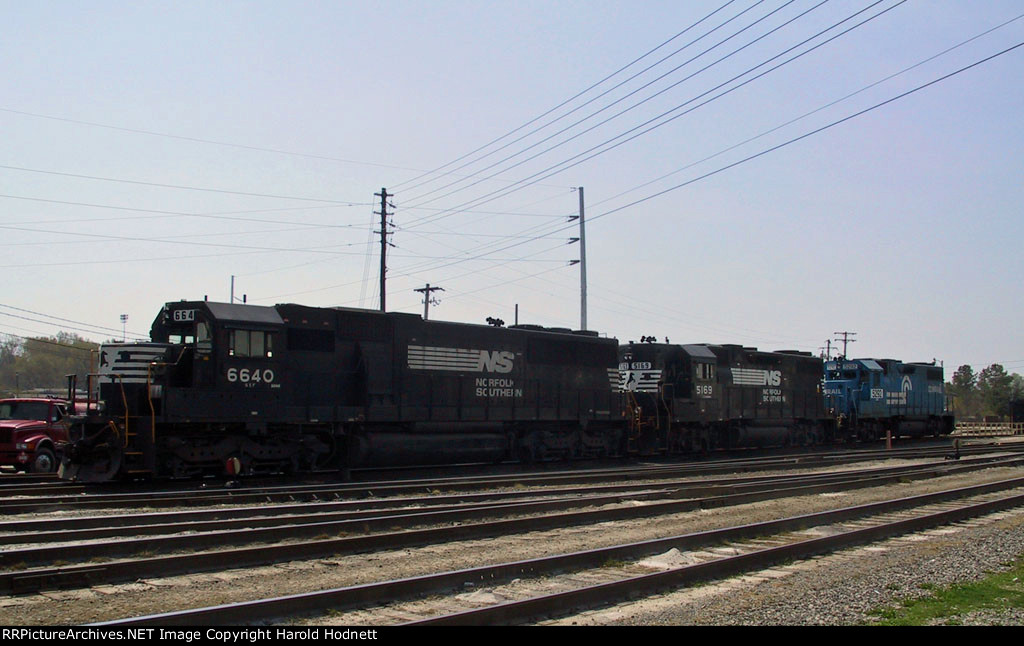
x=190 y=335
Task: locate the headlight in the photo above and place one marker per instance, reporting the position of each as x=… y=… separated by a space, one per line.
x=21 y=446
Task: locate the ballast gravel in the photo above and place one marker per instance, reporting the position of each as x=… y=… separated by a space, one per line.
x=845 y=588
x=859 y=584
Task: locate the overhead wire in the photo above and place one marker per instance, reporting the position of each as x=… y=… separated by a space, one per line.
x=173 y=186
x=622 y=98
x=808 y=134
x=402 y=185
x=153 y=133
x=664 y=117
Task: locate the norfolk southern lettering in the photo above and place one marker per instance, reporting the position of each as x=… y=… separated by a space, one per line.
x=423 y=357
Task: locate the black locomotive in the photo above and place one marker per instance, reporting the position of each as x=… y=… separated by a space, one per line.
x=683 y=398
x=245 y=389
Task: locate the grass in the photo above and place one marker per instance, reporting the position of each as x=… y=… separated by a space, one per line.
x=948 y=605
x=613 y=563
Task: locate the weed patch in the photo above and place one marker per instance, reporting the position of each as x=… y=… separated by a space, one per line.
x=947 y=605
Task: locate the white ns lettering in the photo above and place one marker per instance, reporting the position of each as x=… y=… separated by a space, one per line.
x=497 y=361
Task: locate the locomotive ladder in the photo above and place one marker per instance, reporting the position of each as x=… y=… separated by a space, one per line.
x=130 y=457
x=636 y=423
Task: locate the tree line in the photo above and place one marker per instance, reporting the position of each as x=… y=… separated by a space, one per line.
x=32 y=365
x=984 y=394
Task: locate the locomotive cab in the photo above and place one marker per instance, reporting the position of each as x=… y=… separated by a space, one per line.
x=669 y=390
x=195 y=400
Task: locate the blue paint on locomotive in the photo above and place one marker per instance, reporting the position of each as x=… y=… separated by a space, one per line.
x=883 y=388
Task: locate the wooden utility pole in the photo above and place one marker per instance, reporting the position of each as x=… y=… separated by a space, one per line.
x=427 y=299
x=845 y=338
x=383 y=195
x=827 y=350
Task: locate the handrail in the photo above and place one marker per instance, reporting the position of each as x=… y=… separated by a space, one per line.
x=989 y=428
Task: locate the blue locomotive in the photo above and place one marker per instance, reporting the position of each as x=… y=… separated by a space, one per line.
x=870 y=398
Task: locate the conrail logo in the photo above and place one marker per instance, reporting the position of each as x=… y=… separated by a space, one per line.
x=423 y=357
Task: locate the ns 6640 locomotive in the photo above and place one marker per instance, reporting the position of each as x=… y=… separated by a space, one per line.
x=228 y=388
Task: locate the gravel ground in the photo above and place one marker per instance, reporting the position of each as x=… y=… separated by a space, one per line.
x=172 y=593
x=842 y=588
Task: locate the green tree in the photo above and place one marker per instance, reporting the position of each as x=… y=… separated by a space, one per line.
x=994 y=390
x=44 y=362
x=964 y=389
x=1016 y=387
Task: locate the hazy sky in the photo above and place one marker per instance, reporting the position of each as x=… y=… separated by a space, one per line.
x=151 y=150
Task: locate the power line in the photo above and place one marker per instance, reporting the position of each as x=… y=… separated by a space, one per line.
x=814 y=111
x=563 y=103
x=164 y=213
x=57 y=318
x=200 y=140
x=798 y=138
x=811 y=133
x=565 y=164
x=77 y=328
x=49 y=342
x=423 y=220
x=620 y=99
x=174 y=186
x=226 y=144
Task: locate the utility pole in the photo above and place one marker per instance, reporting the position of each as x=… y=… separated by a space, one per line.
x=828 y=349
x=583 y=267
x=383 y=195
x=427 y=300
x=233 y=292
x=845 y=338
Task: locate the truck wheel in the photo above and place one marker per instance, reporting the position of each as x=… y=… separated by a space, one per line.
x=44 y=462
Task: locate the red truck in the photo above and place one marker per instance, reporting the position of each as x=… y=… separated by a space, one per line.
x=33 y=431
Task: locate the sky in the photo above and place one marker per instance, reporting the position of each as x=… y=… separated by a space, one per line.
x=765 y=173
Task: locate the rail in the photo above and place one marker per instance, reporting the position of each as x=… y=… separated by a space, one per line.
x=989 y=428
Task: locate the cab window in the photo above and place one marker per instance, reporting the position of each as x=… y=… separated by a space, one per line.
x=251 y=343
x=705 y=371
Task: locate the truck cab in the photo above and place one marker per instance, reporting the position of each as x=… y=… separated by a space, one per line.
x=33 y=431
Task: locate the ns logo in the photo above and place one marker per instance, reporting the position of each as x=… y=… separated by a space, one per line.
x=773 y=377
x=499 y=361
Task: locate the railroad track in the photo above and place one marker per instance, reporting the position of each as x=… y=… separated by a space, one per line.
x=67 y=496
x=520 y=591
x=285 y=533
